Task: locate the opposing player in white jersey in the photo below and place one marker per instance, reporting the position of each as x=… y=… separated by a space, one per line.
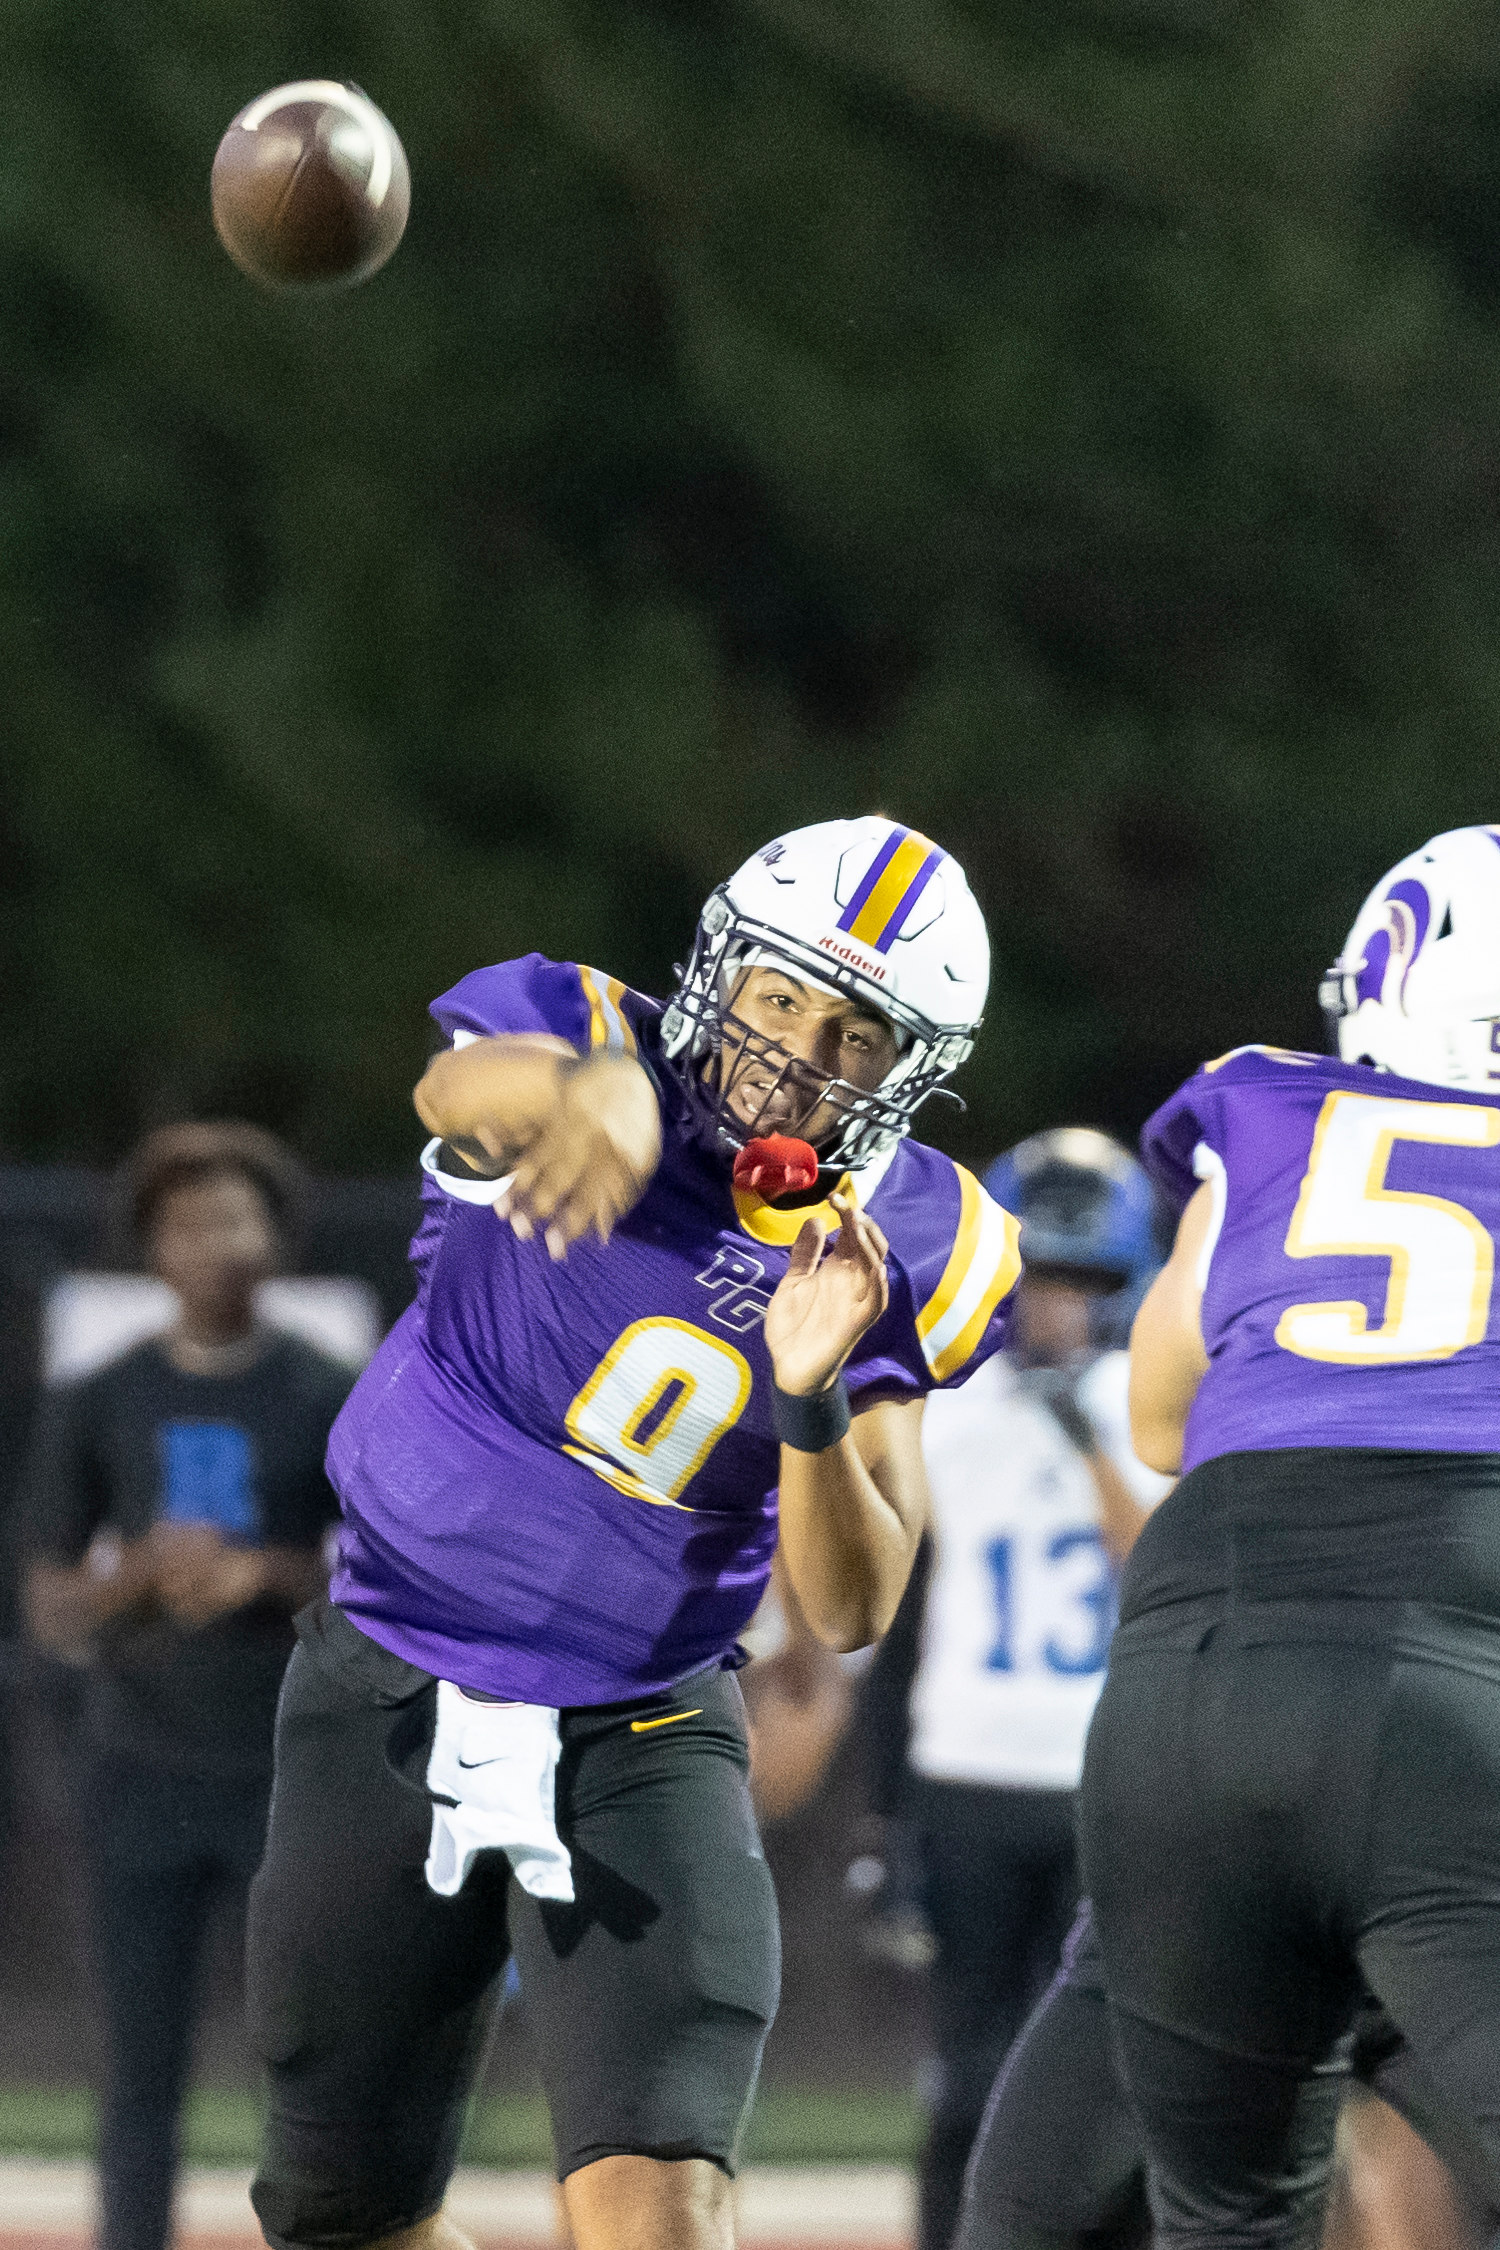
x=1036 y=1500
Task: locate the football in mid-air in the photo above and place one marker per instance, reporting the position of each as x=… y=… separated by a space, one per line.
x=310 y=187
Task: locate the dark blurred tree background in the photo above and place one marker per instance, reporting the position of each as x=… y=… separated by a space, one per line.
x=1073 y=429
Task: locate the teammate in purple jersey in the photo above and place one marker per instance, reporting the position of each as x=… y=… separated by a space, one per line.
x=1292 y=1789
x=628 y=1376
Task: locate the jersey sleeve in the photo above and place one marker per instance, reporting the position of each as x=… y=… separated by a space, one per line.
x=1171 y=1138
x=1183 y=1143
x=955 y=1260
x=531 y=994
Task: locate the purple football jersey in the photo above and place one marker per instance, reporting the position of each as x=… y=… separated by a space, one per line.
x=1349 y=1298
x=558 y=1479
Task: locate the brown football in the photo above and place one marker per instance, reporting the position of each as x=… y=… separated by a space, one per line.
x=310 y=187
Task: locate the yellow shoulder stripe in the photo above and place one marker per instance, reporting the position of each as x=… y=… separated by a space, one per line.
x=607 y=1026
x=960 y=1256
x=1006 y=1274
x=982 y=1269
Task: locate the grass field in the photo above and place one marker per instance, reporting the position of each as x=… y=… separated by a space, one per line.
x=222 y=2128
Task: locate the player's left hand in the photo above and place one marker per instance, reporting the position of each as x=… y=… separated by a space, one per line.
x=832 y=1291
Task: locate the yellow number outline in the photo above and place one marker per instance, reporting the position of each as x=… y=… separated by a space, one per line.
x=586 y=1451
x=1374 y=1191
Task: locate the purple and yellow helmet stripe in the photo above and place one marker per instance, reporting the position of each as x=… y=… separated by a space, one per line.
x=889 y=888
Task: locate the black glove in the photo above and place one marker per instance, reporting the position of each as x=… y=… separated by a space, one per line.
x=1056 y=1388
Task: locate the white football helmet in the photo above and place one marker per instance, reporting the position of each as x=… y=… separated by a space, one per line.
x=861 y=907
x=1417 y=987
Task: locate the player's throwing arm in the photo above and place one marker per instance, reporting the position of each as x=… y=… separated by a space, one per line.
x=579 y=1136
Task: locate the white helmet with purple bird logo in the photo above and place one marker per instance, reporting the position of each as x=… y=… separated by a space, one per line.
x=1416 y=989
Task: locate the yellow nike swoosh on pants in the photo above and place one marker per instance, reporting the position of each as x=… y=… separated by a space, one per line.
x=644 y=1726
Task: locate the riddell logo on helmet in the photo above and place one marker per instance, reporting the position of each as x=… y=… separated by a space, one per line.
x=851 y=954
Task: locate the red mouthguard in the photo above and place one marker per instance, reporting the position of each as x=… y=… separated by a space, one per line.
x=775 y=1166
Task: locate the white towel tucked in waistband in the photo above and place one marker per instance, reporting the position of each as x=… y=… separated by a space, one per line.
x=498 y=1761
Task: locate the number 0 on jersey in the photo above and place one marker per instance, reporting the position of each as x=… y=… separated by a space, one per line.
x=656 y=1406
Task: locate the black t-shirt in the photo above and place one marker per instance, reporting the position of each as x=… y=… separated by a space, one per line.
x=140 y=1440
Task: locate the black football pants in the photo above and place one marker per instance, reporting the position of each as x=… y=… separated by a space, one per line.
x=1281 y=1805
x=1058 y=2162
x=649 y=1996
x=1000 y=1883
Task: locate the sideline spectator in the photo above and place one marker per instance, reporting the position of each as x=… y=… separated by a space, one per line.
x=989 y=1676
x=175 y=1519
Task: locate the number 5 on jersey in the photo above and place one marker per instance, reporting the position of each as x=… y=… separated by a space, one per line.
x=656 y=1406
x=1442 y=1258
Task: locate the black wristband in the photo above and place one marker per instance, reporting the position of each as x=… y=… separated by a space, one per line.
x=814 y=1423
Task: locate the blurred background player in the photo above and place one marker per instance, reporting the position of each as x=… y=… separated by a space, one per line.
x=1292 y=1790
x=686 y=1283
x=176 y=1517
x=991 y=1672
